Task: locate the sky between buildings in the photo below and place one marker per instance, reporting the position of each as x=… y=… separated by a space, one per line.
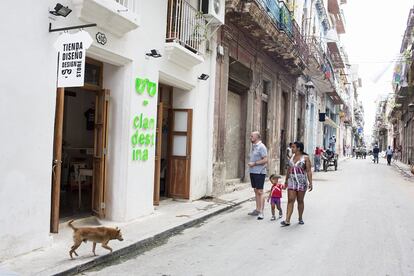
x=375 y=29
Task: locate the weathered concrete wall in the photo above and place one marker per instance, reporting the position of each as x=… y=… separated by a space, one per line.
x=233 y=148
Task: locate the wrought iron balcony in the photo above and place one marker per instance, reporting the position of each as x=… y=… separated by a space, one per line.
x=271 y=24
x=335 y=10
x=130 y=5
x=301 y=46
x=186 y=26
x=322 y=57
x=280 y=13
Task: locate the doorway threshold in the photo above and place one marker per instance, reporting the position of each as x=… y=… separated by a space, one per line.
x=83 y=217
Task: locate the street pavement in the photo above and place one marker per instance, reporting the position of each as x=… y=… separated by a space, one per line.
x=358 y=221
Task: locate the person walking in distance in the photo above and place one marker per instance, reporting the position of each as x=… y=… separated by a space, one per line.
x=298 y=181
x=389 y=153
x=318 y=156
x=332 y=142
x=375 y=152
x=257 y=168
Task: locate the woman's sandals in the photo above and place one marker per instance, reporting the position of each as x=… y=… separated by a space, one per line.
x=284 y=224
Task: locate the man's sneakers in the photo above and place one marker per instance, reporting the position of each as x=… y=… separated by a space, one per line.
x=273 y=218
x=254 y=213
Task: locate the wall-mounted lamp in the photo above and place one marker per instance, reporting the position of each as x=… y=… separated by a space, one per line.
x=203 y=77
x=60 y=10
x=309 y=85
x=154 y=53
x=411 y=107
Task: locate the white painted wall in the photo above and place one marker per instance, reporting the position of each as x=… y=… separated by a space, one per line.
x=27 y=111
x=117 y=79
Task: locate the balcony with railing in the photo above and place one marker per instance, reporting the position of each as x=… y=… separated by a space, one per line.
x=322 y=62
x=280 y=13
x=301 y=46
x=271 y=24
x=115 y=16
x=186 y=33
x=323 y=15
x=335 y=9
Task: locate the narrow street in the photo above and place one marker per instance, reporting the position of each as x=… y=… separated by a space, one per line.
x=358 y=221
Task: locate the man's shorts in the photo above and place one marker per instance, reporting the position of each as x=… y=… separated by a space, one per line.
x=257 y=180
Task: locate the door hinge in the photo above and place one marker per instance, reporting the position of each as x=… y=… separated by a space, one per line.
x=103 y=205
x=105 y=151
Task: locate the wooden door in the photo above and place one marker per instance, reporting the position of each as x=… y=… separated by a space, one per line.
x=179 y=160
x=100 y=153
x=158 y=155
x=57 y=160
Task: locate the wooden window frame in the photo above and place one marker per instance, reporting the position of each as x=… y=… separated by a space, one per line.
x=90 y=86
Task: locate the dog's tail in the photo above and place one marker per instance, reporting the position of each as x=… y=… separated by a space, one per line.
x=71 y=226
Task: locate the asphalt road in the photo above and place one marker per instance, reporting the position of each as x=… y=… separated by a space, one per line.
x=358 y=221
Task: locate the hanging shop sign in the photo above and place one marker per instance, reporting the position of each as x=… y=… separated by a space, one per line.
x=71 y=58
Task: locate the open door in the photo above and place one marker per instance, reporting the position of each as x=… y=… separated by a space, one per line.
x=158 y=155
x=57 y=160
x=100 y=153
x=179 y=161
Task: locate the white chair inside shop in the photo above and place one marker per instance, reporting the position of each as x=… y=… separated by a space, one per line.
x=83 y=173
x=76 y=175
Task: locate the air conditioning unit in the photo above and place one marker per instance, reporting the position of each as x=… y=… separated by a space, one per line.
x=214 y=11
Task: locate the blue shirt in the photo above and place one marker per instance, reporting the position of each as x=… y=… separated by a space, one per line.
x=257 y=153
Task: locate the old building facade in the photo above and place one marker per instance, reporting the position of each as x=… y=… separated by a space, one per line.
x=263 y=55
x=394 y=124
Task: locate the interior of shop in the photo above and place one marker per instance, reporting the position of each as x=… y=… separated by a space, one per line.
x=77 y=153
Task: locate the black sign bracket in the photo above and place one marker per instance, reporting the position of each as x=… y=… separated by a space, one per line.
x=70 y=28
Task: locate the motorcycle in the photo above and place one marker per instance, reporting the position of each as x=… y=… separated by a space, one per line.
x=329 y=159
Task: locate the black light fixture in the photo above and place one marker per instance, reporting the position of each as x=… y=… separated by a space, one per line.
x=61 y=10
x=309 y=85
x=203 y=77
x=154 y=53
x=411 y=107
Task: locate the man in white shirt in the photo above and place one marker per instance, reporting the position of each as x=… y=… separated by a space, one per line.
x=389 y=153
x=258 y=171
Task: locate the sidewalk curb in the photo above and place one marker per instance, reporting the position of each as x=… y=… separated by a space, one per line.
x=407 y=174
x=146 y=242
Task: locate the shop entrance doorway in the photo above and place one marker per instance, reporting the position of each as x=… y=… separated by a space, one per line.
x=173 y=148
x=80 y=148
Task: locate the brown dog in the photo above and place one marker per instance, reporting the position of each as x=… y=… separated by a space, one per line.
x=95 y=234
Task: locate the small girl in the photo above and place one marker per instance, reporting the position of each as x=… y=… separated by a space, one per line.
x=275 y=195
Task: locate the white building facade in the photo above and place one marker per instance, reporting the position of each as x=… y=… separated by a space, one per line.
x=138 y=131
